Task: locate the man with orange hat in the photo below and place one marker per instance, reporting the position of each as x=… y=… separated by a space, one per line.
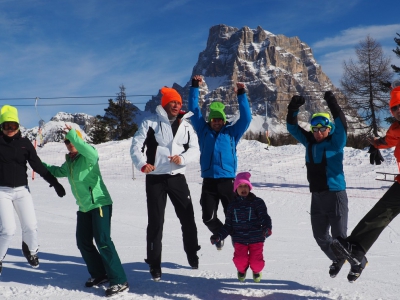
x=170 y=143
x=367 y=231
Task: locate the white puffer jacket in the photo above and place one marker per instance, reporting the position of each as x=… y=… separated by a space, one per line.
x=168 y=145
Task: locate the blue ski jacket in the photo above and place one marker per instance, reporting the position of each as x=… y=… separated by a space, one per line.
x=218 y=157
x=324 y=160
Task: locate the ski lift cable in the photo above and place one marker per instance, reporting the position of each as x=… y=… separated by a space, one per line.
x=66 y=97
x=70 y=104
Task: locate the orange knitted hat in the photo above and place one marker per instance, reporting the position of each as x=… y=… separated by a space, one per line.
x=395 y=97
x=168 y=95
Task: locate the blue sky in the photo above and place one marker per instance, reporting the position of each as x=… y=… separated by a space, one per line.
x=71 y=48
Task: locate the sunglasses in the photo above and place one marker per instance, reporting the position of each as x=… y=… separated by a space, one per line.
x=320 y=129
x=67 y=142
x=395 y=108
x=10 y=126
x=320 y=120
x=217 y=120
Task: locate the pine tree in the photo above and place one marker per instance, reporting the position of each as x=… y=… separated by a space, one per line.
x=98 y=132
x=397 y=52
x=119 y=117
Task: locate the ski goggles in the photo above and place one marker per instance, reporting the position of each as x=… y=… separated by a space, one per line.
x=10 y=126
x=320 y=129
x=320 y=121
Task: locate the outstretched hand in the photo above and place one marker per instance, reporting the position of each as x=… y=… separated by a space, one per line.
x=67 y=128
x=375 y=156
x=59 y=189
x=296 y=102
x=196 y=80
x=239 y=85
x=214 y=239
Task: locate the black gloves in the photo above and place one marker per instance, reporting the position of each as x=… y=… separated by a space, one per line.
x=215 y=238
x=329 y=97
x=241 y=91
x=296 y=102
x=375 y=156
x=195 y=83
x=59 y=189
x=54 y=183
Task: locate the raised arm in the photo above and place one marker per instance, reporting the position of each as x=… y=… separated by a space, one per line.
x=244 y=120
x=197 y=118
x=291 y=119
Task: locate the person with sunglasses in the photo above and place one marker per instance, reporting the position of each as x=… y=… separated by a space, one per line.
x=324 y=161
x=82 y=168
x=218 y=160
x=15 y=152
x=368 y=229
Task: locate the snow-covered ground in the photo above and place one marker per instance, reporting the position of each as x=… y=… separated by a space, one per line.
x=295 y=266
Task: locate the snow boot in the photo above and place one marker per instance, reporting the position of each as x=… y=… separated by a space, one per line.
x=91 y=282
x=356 y=270
x=117 y=289
x=155 y=271
x=241 y=276
x=33 y=260
x=335 y=267
x=257 y=277
x=219 y=244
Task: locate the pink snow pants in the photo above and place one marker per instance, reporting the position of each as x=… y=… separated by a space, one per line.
x=249 y=255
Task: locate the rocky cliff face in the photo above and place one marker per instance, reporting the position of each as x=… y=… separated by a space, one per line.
x=273 y=67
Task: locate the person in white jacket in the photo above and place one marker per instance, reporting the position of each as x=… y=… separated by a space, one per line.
x=161 y=148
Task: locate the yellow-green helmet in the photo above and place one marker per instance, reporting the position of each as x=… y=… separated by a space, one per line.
x=321 y=120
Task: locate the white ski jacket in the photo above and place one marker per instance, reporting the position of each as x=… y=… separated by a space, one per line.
x=156 y=135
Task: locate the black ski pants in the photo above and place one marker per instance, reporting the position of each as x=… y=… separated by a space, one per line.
x=329 y=210
x=213 y=191
x=375 y=221
x=157 y=189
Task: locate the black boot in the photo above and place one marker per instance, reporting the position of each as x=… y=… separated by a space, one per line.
x=335 y=267
x=33 y=260
x=356 y=270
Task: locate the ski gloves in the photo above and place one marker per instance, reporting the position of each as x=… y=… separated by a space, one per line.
x=296 y=102
x=375 y=156
x=215 y=238
x=59 y=189
x=54 y=183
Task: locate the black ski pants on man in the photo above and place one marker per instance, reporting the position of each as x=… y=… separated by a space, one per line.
x=213 y=191
x=157 y=189
x=329 y=210
x=375 y=221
